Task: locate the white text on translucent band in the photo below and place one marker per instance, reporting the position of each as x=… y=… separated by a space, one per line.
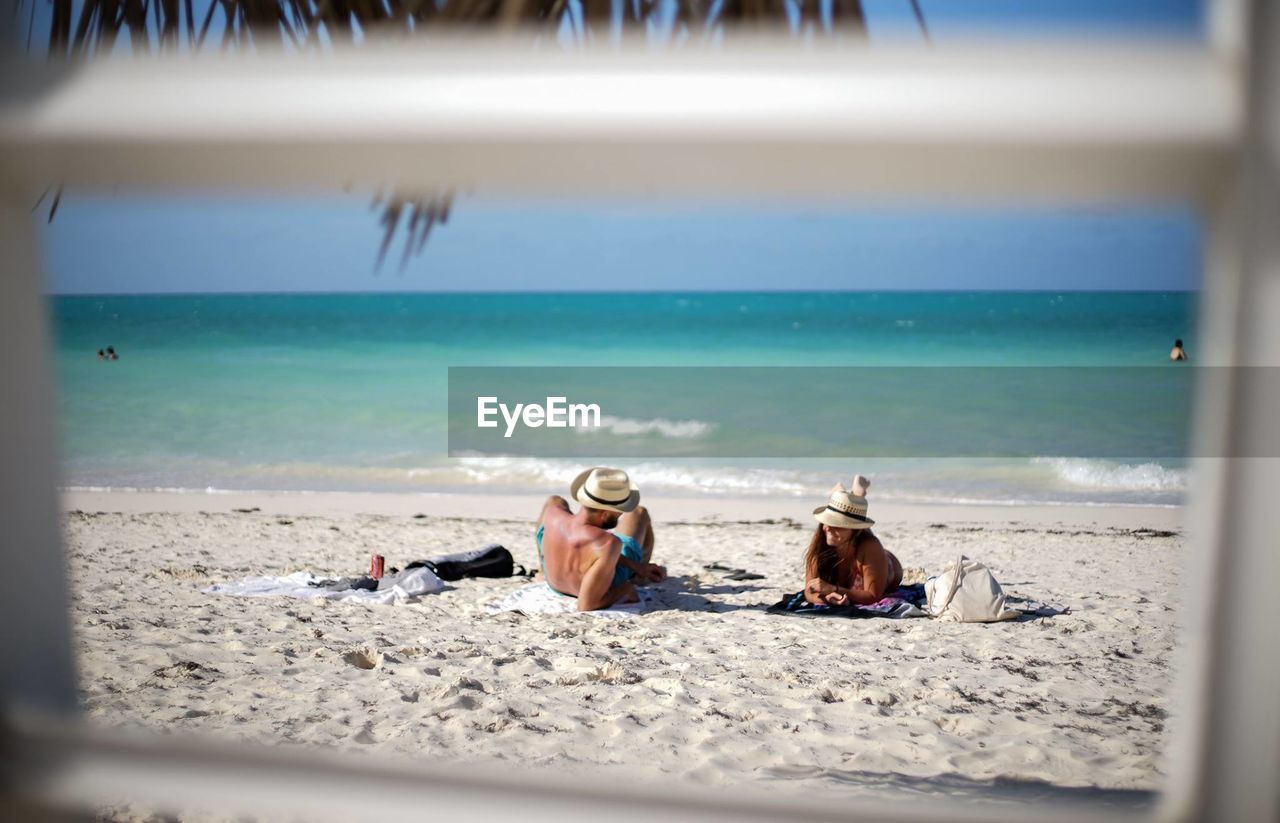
x=558 y=413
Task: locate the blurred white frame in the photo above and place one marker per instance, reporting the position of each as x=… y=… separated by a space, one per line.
x=1049 y=123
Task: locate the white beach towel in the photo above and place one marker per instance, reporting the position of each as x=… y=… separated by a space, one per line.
x=395 y=588
x=539 y=598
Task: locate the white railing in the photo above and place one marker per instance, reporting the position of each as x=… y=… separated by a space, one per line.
x=1053 y=123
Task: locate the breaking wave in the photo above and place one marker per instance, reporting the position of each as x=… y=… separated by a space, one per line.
x=675 y=429
x=1102 y=475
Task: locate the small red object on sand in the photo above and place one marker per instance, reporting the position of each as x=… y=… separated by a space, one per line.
x=376 y=566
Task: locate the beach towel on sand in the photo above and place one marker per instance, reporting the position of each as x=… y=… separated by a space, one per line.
x=394 y=588
x=907 y=601
x=539 y=598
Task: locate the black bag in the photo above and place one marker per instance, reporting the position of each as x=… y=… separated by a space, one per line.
x=490 y=561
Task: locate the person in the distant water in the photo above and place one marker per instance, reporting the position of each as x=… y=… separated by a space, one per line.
x=102 y=355
x=846 y=565
x=111 y=353
x=1177 y=353
x=581 y=558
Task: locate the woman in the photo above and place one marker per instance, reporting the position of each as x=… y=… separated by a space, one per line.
x=846 y=565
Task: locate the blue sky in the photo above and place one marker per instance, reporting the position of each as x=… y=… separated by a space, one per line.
x=134 y=244
x=951 y=17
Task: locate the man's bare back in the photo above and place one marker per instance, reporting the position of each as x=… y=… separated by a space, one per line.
x=580 y=557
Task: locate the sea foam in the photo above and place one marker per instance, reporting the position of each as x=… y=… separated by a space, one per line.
x=1104 y=475
x=675 y=429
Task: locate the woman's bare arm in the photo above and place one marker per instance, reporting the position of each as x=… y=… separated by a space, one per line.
x=815 y=589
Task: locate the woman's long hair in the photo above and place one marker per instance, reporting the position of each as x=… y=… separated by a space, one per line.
x=831 y=569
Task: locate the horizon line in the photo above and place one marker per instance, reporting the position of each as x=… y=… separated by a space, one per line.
x=619 y=292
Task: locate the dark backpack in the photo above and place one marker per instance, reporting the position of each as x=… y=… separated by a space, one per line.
x=489 y=561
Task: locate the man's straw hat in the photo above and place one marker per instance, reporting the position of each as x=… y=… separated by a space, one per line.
x=846 y=509
x=601 y=487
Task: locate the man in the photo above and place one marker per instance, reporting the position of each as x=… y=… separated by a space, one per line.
x=581 y=558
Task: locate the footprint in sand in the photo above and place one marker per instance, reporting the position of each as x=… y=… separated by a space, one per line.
x=830 y=696
x=363 y=659
x=183 y=670
x=613 y=674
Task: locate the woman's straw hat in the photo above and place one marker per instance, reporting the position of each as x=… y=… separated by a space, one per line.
x=601 y=487
x=846 y=509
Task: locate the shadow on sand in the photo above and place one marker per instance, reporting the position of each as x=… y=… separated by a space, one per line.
x=683 y=593
x=895 y=786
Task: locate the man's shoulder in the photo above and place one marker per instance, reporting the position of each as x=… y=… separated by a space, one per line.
x=594 y=537
x=592 y=533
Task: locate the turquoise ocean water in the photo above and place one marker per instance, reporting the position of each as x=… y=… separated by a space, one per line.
x=348 y=391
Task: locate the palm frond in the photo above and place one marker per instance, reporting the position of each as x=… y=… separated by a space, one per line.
x=57 y=199
x=161 y=24
x=425 y=212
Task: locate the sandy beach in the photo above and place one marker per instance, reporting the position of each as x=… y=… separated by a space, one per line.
x=705 y=688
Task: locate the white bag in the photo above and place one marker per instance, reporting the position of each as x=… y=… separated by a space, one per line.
x=967 y=592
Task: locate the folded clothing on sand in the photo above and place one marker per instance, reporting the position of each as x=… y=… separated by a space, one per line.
x=907 y=601
x=539 y=598
x=394 y=588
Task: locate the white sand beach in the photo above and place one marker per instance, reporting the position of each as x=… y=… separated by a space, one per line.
x=705 y=688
